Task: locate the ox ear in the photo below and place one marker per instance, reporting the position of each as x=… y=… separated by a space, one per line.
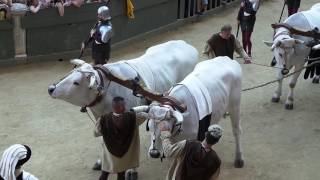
x=316 y=47
x=298 y=41
x=268 y=43
x=178 y=116
x=77 y=62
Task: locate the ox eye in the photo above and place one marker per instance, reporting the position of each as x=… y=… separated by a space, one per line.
x=280 y=54
x=76 y=83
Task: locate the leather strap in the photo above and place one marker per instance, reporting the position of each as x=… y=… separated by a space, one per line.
x=173 y=102
x=134 y=85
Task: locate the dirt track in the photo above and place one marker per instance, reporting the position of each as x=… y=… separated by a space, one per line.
x=278 y=144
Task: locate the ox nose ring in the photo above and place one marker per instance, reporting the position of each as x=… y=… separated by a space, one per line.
x=284 y=71
x=51 y=88
x=154 y=153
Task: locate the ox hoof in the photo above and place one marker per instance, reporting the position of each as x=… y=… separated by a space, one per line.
x=315 y=81
x=275 y=100
x=238 y=163
x=289 y=106
x=131 y=175
x=97 y=166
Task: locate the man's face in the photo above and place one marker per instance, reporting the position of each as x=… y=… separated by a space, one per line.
x=225 y=34
x=119 y=107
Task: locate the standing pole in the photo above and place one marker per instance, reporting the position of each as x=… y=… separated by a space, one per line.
x=284 y=4
x=238 y=30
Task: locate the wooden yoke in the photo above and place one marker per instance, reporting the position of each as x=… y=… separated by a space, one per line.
x=313 y=33
x=136 y=88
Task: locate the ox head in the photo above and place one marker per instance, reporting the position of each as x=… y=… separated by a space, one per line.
x=283 y=50
x=163 y=115
x=79 y=87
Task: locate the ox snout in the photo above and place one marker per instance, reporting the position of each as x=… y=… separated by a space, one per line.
x=285 y=71
x=154 y=153
x=51 y=89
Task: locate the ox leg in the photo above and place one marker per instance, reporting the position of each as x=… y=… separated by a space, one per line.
x=277 y=94
x=236 y=128
x=316 y=80
x=292 y=84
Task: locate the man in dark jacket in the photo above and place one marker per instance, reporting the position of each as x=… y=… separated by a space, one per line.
x=224 y=44
x=193 y=160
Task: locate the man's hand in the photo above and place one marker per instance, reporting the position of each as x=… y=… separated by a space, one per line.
x=82 y=47
x=92 y=32
x=242 y=4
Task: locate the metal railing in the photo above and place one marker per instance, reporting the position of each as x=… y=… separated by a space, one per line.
x=188 y=8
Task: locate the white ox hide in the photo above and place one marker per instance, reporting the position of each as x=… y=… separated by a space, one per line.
x=160 y=67
x=290 y=50
x=214 y=87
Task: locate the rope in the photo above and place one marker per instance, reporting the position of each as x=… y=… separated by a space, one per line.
x=93 y=121
x=288 y=75
x=265 y=65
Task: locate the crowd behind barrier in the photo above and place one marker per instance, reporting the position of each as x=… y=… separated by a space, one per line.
x=59 y=26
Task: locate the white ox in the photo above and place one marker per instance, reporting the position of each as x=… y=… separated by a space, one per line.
x=160 y=67
x=214 y=87
x=290 y=50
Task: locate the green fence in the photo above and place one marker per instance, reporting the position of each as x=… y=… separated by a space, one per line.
x=47 y=33
x=6 y=40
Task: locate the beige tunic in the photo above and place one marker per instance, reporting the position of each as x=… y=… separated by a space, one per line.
x=113 y=164
x=173 y=149
x=237 y=47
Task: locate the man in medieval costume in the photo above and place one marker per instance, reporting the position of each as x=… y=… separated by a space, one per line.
x=193 y=160
x=246 y=19
x=224 y=44
x=12 y=161
x=293 y=6
x=121 y=144
x=100 y=36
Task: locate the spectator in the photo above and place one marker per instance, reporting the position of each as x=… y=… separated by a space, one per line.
x=5 y=9
x=76 y=3
x=36 y=5
x=201 y=6
x=12 y=161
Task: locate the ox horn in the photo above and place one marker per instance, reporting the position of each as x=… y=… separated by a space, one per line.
x=316 y=47
x=140 y=109
x=298 y=41
x=178 y=116
x=92 y=81
x=77 y=62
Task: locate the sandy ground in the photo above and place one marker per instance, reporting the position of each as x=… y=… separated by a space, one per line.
x=278 y=144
